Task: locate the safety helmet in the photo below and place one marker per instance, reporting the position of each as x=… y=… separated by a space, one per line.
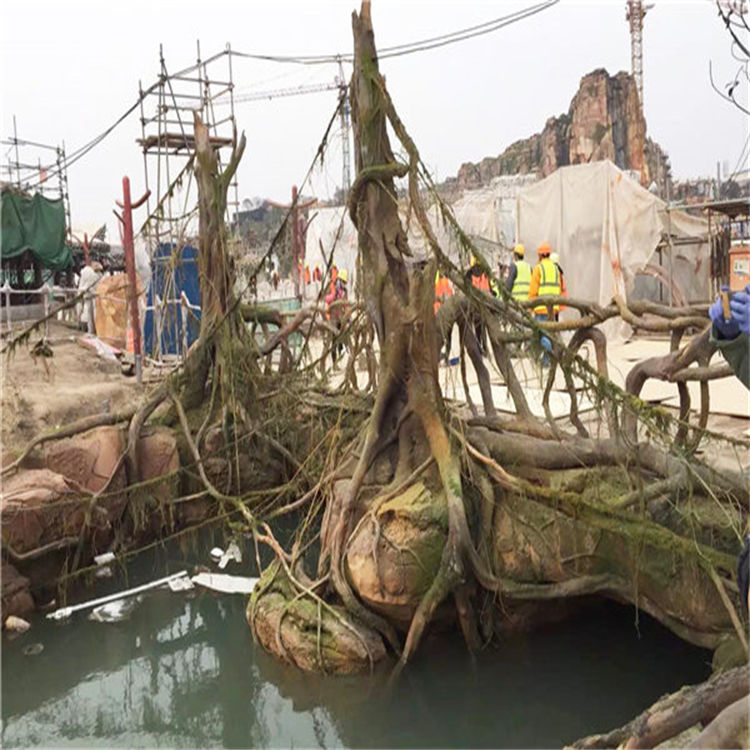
x=343 y=275
x=307 y=265
x=554 y=257
x=519 y=250
x=474 y=260
x=437 y=276
x=544 y=249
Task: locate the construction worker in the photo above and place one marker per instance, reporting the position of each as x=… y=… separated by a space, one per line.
x=334 y=278
x=519 y=274
x=443 y=290
x=555 y=258
x=336 y=312
x=732 y=336
x=545 y=282
x=307 y=274
x=477 y=276
x=479 y=280
x=317 y=273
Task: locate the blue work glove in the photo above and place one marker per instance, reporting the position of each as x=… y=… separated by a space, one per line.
x=726 y=329
x=740 y=306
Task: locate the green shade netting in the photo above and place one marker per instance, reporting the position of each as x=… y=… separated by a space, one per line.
x=36 y=224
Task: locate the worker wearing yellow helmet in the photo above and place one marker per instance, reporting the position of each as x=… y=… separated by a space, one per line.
x=519 y=274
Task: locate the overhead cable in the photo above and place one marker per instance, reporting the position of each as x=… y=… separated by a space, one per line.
x=386 y=52
x=411 y=47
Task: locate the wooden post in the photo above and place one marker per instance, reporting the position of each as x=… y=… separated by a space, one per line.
x=129 y=251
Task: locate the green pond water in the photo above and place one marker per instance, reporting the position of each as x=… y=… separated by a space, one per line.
x=183 y=671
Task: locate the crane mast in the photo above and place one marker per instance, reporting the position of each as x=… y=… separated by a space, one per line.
x=344 y=114
x=341 y=85
x=635 y=11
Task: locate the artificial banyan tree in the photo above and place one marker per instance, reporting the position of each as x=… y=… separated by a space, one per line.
x=434 y=513
x=389 y=511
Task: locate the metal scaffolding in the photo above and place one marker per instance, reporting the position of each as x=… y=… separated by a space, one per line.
x=167 y=141
x=32 y=166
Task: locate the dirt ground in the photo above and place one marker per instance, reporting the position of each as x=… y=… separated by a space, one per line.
x=77 y=383
x=74 y=383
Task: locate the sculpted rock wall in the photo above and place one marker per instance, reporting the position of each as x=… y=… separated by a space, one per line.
x=604 y=121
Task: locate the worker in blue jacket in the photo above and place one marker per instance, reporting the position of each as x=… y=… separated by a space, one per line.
x=732 y=336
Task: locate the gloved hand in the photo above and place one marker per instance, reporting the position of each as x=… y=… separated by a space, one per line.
x=740 y=306
x=727 y=329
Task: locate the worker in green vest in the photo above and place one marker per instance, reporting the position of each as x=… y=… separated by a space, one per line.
x=519 y=274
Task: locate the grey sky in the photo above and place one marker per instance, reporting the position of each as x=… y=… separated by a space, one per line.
x=69 y=69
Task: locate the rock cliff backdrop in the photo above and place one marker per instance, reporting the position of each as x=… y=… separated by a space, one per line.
x=604 y=121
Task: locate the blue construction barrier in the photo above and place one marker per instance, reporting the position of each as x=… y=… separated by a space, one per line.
x=172 y=272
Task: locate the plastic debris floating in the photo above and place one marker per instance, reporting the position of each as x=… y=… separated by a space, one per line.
x=65 y=612
x=226 y=584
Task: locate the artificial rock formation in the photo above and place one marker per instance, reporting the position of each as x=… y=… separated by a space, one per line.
x=604 y=121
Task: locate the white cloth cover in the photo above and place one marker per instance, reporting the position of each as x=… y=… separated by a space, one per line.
x=606 y=227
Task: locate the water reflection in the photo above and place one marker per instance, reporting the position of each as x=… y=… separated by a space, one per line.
x=183 y=671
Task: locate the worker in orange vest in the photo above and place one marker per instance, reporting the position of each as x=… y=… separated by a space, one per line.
x=334 y=278
x=477 y=276
x=443 y=290
x=307 y=274
x=317 y=273
x=479 y=281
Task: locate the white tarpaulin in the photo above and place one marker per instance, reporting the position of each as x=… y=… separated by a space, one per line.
x=487 y=215
x=332 y=229
x=606 y=228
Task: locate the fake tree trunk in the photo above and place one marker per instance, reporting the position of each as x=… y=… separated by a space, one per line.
x=441 y=516
x=224 y=345
x=398 y=296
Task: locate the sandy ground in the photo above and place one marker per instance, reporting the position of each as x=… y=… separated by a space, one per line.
x=75 y=383
x=729 y=399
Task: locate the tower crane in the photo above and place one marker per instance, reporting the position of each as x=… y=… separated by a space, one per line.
x=338 y=84
x=635 y=11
